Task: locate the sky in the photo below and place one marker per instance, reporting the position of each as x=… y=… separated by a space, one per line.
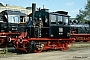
x=71 y=6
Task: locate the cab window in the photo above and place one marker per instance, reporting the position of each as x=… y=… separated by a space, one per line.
x=60 y=21
x=66 y=19
x=53 y=19
x=13 y=19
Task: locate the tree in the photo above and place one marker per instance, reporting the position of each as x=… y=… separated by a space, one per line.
x=87 y=9
x=84 y=15
x=80 y=16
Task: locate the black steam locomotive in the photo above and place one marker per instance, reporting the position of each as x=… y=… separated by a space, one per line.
x=45 y=30
x=11 y=23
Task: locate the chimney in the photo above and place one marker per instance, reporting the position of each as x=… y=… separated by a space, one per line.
x=33 y=10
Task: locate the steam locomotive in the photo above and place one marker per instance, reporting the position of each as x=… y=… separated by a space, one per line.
x=80 y=31
x=45 y=30
x=11 y=23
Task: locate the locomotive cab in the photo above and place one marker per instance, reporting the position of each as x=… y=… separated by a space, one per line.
x=12 y=21
x=59 y=24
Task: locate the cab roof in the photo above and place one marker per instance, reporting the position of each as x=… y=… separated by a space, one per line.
x=9 y=12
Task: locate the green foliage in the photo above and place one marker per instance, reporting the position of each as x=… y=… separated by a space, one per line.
x=84 y=15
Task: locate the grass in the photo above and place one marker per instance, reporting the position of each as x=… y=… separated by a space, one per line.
x=9 y=54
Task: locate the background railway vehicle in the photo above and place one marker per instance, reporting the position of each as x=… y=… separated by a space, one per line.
x=11 y=25
x=45 y=30
x=80 y=31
